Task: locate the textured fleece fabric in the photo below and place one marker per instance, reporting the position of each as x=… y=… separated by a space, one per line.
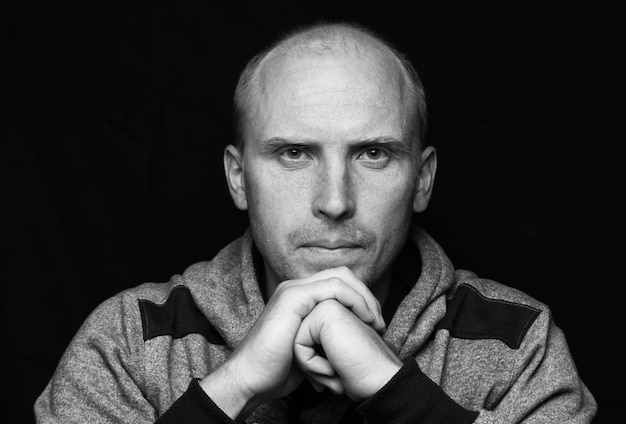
x=461 y=364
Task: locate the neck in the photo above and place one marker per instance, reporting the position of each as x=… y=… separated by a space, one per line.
x=381 y=288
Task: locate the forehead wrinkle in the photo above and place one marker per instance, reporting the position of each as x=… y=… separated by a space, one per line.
x=338 y=90
x=375 y=69
x=324 y=39
x=351 y=44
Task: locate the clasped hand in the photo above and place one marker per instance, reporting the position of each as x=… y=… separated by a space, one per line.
x=333 y=309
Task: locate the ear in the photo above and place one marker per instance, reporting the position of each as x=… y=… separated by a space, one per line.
x=233 y=168
x=425 y=179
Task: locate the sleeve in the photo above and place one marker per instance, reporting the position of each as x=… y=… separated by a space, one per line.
x=411 y=397
x=99 y=378
x=194 y=407
x=544 y=387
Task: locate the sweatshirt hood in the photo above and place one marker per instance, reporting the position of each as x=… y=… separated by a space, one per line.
x=227 y=292
x=425 y=305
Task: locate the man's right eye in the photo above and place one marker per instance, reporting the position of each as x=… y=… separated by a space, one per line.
x=293 y=154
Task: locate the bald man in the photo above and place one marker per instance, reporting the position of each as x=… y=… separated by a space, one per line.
x=333 y=307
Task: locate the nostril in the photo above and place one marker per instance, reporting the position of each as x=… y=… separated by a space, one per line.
x=334 y=198
x=334 y=205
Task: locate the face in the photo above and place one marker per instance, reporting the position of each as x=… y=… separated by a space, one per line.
x=328 y=174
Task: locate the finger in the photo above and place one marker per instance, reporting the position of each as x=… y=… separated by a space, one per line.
x=316 y=386
x=347 y=276
x=309 y=361
x=302 y=298
x=316 y=368
x=332 y=383
x=304 y=350
x=305 y=342
x=348 y=297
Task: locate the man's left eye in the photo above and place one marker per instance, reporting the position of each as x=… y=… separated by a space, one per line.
x=293 y=153
x=373 y=154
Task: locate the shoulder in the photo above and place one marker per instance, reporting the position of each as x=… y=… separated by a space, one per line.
x=151 y=310
x=479 y=308
x=174 y=308
x=176 y=295
x=120 y=317
x=126 y=314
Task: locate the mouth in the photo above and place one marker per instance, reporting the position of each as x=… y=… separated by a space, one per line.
x=332 y=245
x=331 y=253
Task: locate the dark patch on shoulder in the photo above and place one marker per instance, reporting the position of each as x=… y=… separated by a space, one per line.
x=471 y=315
x=177 y=317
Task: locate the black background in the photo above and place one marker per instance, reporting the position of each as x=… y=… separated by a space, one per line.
x=117 y=113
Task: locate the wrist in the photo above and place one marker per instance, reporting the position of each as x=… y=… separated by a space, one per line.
x=378 y=376
x=386 y=371
x=410 y=396
x=226 y=389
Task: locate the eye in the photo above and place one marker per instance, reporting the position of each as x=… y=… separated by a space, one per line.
x=374 y=157
x=374 y=153
x=292 y=154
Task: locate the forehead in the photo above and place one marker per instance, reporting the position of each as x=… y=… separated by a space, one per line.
x=334 y=92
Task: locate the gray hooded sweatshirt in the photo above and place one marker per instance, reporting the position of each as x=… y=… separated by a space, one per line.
x=474 y=351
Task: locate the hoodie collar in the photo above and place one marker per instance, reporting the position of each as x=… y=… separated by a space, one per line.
x=227 y=292
x=425 y=305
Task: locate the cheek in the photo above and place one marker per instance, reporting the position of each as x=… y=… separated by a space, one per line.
x=389 y=212
x=275 y=199
x=387 y=201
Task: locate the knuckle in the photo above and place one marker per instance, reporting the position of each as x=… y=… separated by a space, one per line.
x=320 y=309
x=329 y=306
x=285 y=288
x=335 y=281
x=344 y=270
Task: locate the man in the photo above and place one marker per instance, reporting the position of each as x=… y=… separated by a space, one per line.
x=332 y=307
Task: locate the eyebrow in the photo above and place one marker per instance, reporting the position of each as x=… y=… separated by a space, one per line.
x=387 y=141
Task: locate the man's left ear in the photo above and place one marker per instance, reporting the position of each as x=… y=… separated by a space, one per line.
x=425 y=179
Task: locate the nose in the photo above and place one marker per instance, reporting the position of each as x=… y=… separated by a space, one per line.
x=334 y=197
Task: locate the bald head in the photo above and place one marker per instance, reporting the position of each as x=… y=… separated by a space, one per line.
x=356 y=45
